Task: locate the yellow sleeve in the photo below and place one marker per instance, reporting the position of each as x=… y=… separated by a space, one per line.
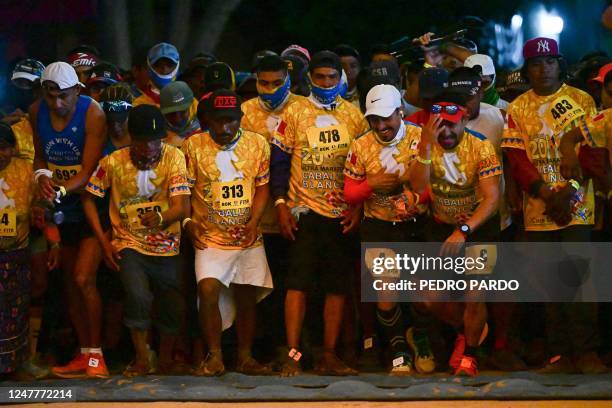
x=263 y=173
x=284 y=135
x=353 y=166
x=513 y=137
x=190 y=160
x=99 y=181
x=177 y=174
x=488 y=163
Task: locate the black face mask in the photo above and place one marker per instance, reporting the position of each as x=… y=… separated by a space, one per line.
x=145 y=163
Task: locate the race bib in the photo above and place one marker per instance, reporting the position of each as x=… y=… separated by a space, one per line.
x=231 y=195
x=8 y=223
x=63 y=173
x=135 y=212
x=329 y=140
x=561 y=112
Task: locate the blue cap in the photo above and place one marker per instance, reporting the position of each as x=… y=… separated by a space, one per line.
x=163 y=50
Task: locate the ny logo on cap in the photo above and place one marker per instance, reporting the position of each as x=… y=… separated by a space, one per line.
x=225 y=102
x=543 y=46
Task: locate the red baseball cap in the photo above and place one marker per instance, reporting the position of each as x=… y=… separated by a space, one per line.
x=222 y=103
x=603 y=71
x=79 y=59
x=448 y=111
x=540 y=47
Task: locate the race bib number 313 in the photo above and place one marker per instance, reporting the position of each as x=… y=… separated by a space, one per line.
x=231 y=195
x=561 y=112
x=329 y=140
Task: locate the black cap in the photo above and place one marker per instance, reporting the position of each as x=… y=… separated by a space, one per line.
x=259 y=55
x=106 y=73
x=464 y=80
x=146 y=122
x=384 y=72
x=432 y=82
x=325 y=59
x=219 y=75
x=345 y=50
x=222 y=103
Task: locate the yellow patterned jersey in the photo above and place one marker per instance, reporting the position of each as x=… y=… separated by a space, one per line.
x=260 y=120
x=455 y=175
x=135 y=192
x=597 y=129
x=16 y=191
x=25 y=139
x=368 y=156
x=223 y=183
x=318 y=141
x=536 y=125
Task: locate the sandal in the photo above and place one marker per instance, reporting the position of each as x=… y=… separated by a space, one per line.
x=250 y=366
x=210 y=367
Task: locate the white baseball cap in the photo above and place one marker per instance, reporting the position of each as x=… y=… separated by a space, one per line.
x=62 y=73
x=383 y=100
x=484 y=61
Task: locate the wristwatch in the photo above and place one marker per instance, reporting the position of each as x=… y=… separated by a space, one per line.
x=465 y=230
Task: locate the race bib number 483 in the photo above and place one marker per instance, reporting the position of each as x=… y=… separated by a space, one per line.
x=329 y=140
x=563 y=111
x=231 y=195
x=8 y=223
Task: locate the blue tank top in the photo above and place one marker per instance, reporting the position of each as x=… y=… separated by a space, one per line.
x=63 y=151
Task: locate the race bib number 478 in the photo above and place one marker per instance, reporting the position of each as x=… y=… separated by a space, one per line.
x=329 y=140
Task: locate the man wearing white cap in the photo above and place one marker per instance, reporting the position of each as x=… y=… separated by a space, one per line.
x=69 y=136
x=484 y=64
x=376 y=173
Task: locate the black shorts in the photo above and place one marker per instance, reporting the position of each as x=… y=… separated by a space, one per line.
x=321 y=253
x=375 y=230
x=71 y=233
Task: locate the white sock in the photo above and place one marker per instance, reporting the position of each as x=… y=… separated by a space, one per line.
x=97 y=350
x=84 y=350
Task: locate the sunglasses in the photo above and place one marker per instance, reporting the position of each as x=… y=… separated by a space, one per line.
x=115 y=106
x=449 y=109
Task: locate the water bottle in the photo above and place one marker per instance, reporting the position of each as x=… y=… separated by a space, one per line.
x=578 y=205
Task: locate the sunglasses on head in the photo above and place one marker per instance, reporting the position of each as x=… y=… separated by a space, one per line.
x=450 y=109
x=115 y=106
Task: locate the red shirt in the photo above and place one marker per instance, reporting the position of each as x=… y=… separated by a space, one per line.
x=419 y=117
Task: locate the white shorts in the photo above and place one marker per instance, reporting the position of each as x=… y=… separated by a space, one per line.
x=239 y=266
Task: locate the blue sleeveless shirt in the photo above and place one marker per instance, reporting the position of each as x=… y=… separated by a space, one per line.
x=63 y=152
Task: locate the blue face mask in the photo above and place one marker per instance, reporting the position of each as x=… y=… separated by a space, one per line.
x=343 y=85
x=325 y=96
x=275 y=98
x=162 y=80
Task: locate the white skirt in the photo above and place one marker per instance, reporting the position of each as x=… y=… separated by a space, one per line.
x=239 y=266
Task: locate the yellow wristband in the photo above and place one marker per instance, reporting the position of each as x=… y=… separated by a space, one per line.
x=574 y=184
x=185 y=221
x=423 y=161
x=161 y=218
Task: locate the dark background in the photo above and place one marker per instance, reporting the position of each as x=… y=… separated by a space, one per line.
x=235 y=29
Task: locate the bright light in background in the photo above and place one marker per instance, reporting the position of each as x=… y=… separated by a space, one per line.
x=548 y=24
x=516 y=22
